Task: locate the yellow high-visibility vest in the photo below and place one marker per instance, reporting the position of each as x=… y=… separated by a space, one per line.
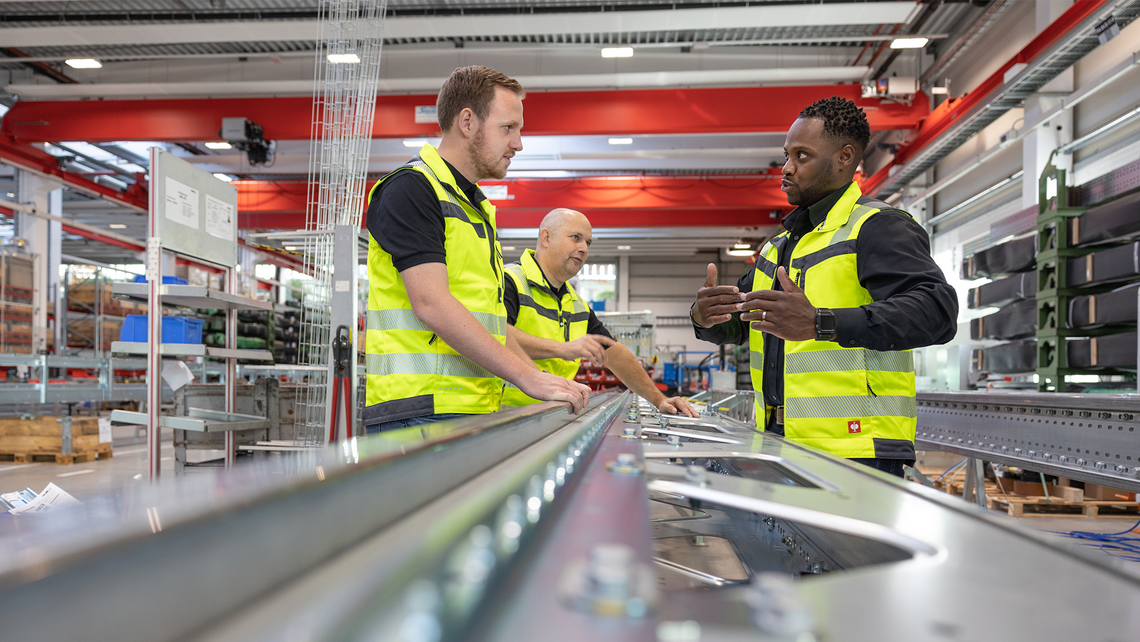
x=542 y=313
x=851 y=402
x=411 y=372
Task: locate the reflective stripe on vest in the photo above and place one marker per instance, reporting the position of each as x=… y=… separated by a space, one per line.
x=543 y=314
x=852 y=402
x=411 y=372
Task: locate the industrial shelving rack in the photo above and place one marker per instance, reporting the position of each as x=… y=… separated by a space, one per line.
x=180 y=195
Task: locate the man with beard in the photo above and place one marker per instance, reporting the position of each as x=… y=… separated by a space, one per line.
x=555 y=326
x=436 y=341
x=835 y=303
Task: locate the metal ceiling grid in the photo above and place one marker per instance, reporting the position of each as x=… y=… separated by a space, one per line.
x=1032 y=78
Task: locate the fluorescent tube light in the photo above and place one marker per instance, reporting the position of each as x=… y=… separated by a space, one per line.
x=617 y=52
x=349 y=58
x=83 y=63
x=909 y=43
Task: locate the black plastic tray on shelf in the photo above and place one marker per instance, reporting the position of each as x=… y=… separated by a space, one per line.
x=1116 y=219
x=1108 y=351
x=1116 y=264
x=1002 y=292
x=1007 y=358
x=1011 y=257
x=1014 y=321
x=1106 y=309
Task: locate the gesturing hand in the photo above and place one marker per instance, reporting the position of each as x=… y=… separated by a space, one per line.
x=715 y=303
x=589 y=346
x=788 y=314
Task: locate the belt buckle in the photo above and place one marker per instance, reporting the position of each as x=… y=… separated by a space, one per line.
x=780 y=415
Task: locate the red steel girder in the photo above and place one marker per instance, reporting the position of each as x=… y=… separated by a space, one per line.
x=626 y=112
x=609 y=201
x=945 y=115
x=24 y=156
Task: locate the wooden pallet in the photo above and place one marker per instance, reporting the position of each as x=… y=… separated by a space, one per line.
x=55 y=458
x=1040 y=507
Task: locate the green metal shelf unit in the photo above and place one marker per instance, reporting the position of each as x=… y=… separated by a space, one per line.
x=1055 y=248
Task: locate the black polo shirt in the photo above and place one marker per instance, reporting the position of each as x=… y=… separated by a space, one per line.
x=406 y=219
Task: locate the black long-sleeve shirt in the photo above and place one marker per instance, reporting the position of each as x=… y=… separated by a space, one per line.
x=913 y=304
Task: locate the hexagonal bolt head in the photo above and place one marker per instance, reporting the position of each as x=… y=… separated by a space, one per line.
x=611 y=570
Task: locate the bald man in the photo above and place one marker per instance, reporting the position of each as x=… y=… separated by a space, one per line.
x=555 y=326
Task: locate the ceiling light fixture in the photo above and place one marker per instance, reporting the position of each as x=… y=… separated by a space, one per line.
x=117 y=226
x=219 y=145
x=349 y=58
x=624 y=247
x=735 y=252
x=741 y=246
x=909 y=43
x=617 y=52
x=940 y=91
x=416 y=143
x=224 y=177
x=83 y=63
x=621 y=141
x=508 y=248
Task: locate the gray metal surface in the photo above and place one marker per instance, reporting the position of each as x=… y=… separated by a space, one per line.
x=1091 y=438
x=191 y=296
x=492 y=528
x=217 y=245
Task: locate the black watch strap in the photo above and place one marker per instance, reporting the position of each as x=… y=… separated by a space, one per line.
x=824 y=325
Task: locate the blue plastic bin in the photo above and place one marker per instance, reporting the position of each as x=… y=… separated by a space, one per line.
x=166 y=280
x=174 y=329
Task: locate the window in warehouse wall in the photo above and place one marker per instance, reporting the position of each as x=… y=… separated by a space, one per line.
x=597 y=284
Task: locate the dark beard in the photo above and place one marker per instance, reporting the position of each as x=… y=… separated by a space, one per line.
x=475 y=154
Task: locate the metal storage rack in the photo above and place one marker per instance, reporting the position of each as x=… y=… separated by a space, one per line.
x=184 y=193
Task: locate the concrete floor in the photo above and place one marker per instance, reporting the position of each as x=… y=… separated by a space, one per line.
x=128 y=465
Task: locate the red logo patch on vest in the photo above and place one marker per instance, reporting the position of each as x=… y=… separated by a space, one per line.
x=854 y=427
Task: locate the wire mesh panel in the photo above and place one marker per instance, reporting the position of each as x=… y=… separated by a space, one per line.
x=635 y=330
x=344 y=101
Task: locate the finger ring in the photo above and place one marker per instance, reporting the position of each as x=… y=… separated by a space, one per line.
x=764 y=316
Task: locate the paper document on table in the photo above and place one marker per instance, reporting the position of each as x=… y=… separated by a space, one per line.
x=52 y=498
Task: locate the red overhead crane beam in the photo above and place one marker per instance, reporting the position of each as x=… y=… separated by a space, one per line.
x=609 y=201
x=945 y=115
x=625 y=112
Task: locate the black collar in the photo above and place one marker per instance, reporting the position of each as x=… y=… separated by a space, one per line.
x=471 y=190
x=817 y=212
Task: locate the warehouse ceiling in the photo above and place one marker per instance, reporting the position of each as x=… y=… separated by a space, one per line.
x=247 y=48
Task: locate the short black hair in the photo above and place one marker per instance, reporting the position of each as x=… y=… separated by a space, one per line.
x=842 y=120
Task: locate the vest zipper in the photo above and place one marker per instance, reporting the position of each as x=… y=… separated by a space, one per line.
x=870 y=390
x=431 y=341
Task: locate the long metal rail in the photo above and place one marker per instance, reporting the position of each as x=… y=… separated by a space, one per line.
x=618 y=524
x=1091 y=438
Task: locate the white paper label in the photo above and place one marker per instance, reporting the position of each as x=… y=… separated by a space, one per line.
x=342 y=286
x=426 y=114
x=181 y=203
x=219 y=218
x=51 y=498
x=495 y=192
x=176 y=374
x=104 y=430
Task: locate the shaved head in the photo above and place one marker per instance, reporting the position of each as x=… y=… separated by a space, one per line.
x=557 y=218
x=564 y=239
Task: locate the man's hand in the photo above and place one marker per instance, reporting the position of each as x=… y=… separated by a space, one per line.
x=716 y=303
x=788 y=314
x=548 y=387
x=590 y=346
x=677 y=406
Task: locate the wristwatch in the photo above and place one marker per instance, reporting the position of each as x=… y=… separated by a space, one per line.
x=824 y=325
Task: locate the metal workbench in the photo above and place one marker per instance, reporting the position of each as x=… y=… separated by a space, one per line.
x=536 y=525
